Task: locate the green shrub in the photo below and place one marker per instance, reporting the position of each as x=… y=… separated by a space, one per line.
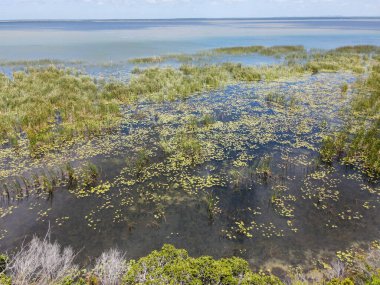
x=5 y=280
x=346 y=281
x=174 y=266
x=3 y=262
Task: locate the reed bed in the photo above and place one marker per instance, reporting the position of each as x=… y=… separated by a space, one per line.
x=359 y=141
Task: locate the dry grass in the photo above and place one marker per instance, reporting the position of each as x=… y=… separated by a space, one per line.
x=41 y=262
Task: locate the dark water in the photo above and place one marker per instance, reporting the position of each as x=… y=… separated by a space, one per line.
x=297 y=211
x=116 y=40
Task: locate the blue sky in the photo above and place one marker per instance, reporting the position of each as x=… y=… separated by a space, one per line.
x=142 y=9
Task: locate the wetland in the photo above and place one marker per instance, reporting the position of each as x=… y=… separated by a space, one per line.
x=266 y=153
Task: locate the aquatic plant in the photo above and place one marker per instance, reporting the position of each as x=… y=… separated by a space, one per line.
x=359 y=140
x=366 y=49
x=60 y=105
x=51 y=105
x=333 y=62
x=344 y=88
x=141 y=161
x=212 y=205
x=184 y=58
x=263 y=168
x=70 y=174
x=90 y=174
x=268 y=51
x=141 y=60
x=39 y=62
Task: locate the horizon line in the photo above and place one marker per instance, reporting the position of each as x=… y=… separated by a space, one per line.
x=190 y=18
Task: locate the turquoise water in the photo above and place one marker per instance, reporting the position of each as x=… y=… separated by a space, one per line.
x=104 y=41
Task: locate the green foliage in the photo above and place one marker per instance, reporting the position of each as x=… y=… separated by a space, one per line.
x=174 y=266
x=346 y=281
x=375 y=280
x=5 y=280
x=3 y=262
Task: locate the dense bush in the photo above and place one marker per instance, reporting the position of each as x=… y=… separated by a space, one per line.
x=174 y=266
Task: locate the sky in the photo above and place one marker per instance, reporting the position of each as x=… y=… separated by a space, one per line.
x=165 y=9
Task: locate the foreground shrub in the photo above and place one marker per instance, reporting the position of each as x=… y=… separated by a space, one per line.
x=41 y=262
x=110 y=267
x=174 y=266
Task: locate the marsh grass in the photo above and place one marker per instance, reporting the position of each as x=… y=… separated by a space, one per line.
x=91 y=174
x=277 y=51
x=49 y=106
x=263 y=167
x=359 y=141
x=141 y=161
x=344 y=88
x=183 y=58
x=363 y=49
x=332 y=61
x=212 y=202
x=39 y=62
x=43 y=182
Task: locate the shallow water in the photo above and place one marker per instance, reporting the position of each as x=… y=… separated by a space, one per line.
x=104 y=41
x=294 y=212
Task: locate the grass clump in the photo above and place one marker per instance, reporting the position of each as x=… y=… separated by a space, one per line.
x=145 y=60
x=364 y=49
x=334 y=61
x=158 y=59
x=360 y=140
x=277 y=51
x=52 y=105
x=163 y=84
